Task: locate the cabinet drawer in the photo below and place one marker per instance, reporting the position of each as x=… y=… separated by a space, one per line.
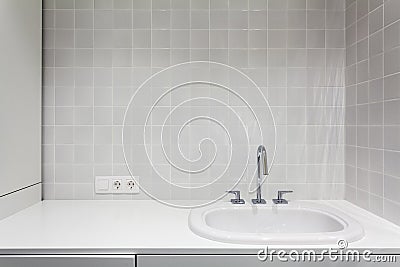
x=199 y=261
x=68 y=261
x=245 y=261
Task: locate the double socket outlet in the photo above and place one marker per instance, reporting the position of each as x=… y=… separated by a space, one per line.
x=116 y=185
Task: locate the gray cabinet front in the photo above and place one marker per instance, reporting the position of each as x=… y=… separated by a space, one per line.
x=67 y=261
x=246 y=261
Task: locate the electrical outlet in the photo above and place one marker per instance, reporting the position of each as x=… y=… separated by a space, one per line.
x=130 y=184
x=116 y=185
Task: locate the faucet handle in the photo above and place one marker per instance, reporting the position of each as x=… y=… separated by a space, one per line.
x=281 y=193
x=281 y=200
x=237 y=199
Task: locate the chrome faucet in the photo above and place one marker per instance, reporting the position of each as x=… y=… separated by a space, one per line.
x=262 y=169
x=237 y=199
x=280 y=199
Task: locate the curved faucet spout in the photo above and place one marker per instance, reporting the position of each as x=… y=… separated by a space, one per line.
x=262 y=159
x=262 y=169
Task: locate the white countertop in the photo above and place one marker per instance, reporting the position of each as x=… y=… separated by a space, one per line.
x=145 y=227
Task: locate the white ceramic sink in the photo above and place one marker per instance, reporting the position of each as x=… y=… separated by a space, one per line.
x=302 y=222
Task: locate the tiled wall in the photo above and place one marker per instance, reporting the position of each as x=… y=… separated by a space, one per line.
x=97 y=52
x=373 y=106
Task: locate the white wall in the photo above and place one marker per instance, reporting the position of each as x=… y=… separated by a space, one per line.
x=97 y=53
x=373 y=106
x=20 y=103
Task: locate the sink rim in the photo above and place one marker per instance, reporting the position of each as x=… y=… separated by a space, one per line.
x=341 y=221
x=352 y=229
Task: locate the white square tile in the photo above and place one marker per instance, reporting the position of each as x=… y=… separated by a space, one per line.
x=391 y=14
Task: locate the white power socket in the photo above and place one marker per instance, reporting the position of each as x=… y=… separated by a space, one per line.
x=130 y=184
x=116 y=185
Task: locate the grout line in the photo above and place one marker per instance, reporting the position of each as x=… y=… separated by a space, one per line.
x=383 y=113
x=286 y=89
x=73 y=97
x=120 y=132
x=112 y=101
x=356 y=80
x=368 y=130
x=92 y=87
x=54 y=110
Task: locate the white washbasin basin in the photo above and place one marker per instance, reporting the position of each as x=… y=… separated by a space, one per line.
x=301 y=222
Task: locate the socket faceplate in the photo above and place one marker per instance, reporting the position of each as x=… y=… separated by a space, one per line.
x=116 y=185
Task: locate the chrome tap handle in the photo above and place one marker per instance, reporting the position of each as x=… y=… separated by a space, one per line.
x=281 y=193
x=281 y=200
x=237 y=199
